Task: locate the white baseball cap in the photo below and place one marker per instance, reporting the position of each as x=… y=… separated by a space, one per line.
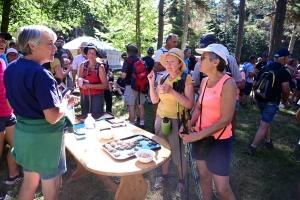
x=11 y=50
x=218 y=49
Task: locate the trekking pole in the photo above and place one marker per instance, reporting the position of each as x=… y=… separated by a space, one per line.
x=90 y=100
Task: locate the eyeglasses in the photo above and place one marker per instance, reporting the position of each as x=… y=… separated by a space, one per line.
x=202 y=57
x=3 y=41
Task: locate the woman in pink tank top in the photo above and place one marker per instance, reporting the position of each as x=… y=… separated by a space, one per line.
x=213 y=115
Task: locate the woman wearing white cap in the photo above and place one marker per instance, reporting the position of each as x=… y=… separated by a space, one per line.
x=172 y=103
x=12 y=54
x=213 y=115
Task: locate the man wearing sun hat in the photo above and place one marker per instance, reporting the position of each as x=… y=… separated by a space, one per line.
x=269 y=106
x=77 y=62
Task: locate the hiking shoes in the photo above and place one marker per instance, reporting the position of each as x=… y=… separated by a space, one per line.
x=159 y=183
x=252 y=150
x=269 y=145
x=180 y=189
x=12 y=181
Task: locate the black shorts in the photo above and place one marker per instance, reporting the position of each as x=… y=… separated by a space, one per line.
x=7 y=121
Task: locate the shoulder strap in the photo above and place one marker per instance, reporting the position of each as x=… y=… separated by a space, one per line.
x=163 y=50
x=165 y=76
x=130 y=60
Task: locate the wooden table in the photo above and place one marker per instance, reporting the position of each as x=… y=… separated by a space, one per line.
x=133 y=186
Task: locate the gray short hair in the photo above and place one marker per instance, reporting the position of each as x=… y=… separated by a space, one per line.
x=32 y=34
x=279 y=59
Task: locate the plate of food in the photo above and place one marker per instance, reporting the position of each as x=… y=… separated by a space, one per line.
x=127 y=147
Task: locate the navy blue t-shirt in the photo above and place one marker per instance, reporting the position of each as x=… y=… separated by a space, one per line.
x=30 y=89
x=128 y=68
x=281 y=75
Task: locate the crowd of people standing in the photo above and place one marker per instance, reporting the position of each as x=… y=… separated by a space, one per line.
x=209 y=90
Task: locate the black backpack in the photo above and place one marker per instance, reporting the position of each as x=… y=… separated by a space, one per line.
x=179 y=85
x=265 y=85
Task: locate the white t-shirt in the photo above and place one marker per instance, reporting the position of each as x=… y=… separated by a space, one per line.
x=159 y=52
x=77 y=62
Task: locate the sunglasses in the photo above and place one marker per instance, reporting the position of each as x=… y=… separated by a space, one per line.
x=202 y=57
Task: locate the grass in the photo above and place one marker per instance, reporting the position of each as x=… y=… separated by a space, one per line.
x=271 y=175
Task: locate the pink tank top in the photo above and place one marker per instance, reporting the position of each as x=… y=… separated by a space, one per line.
x=5 y=111
x=211 y=108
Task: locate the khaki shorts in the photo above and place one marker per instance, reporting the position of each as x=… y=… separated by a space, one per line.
x=173 y=139
x=131 y=97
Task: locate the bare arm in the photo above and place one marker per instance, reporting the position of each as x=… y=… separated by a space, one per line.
x=158 y=67
x=153 y=93
x=53 y=115
x=285 y=92
x=60 y=73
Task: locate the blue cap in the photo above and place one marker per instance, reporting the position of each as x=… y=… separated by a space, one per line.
x=265 y=55
x=282 y=52
x=150 y=50
x=207 y=39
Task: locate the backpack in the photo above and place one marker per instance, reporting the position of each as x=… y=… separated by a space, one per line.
x=86 y=64
x=179 y=87
x=139 y=80
x=264 y=86
x=245 y=68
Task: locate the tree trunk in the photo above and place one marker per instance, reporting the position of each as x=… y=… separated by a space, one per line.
x=271 y=30
x=5 y=15
x=239 y=40
x=160 y=24
x=185 y=24
x=293 y=39
x=138 y=27
x=278 y=27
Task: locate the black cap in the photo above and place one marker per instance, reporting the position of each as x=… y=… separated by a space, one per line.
x=207 y=39
x=265 y=55
x=150 y=50
x=61 y=38
x=7 y=36
x=91 y=46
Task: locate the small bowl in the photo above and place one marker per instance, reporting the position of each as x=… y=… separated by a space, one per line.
x=106 y=134
x=140 y=152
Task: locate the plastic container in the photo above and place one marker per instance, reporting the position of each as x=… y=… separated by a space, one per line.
x=90 y=127
x=71 y=113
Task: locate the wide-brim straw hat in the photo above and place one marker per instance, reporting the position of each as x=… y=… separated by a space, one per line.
x=173 y=52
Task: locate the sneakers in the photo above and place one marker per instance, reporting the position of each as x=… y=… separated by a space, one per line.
x=269 y=145
x=251 y=150
x=12 y=181
x=159 y=183
x=180 y=189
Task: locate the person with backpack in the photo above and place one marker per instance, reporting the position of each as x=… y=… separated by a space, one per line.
x=159 y=69
x=133 y=97
x=174 y=96
x=272 y=85
x=93 y=81
x=150 y=63
x=248 y=69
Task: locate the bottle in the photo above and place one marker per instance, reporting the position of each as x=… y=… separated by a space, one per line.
x=71 y=113
x=90 y=126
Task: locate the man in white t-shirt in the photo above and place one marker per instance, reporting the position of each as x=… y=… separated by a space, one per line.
x=77 y=62
x=171 y=42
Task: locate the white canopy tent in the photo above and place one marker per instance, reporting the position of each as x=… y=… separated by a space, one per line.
x=113 y=55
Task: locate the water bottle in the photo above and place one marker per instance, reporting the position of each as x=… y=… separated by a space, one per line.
x=90 y=127
x=71 y=113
